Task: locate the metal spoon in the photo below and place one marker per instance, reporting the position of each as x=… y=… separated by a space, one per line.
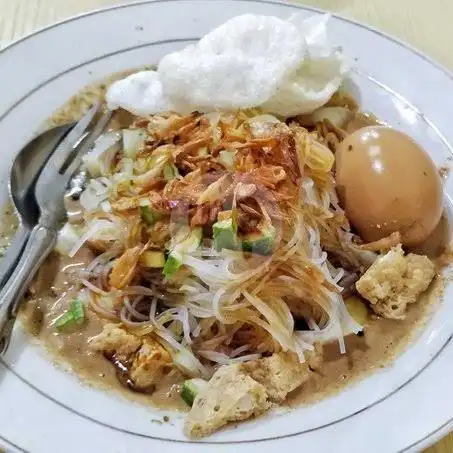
x=51 y=186
x=24 y=172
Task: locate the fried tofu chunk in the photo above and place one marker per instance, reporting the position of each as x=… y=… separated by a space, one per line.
x=230 y=396
x=394 y=281
x=241 y=391
x=151 y=363
x=280 y=374
x=149 y=360
x=114 y=339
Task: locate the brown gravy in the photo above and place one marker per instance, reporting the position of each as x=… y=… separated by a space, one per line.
x=48 y=300
x=8 y=227
x=381 y=342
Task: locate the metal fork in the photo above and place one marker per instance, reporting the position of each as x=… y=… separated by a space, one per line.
x=50 y=189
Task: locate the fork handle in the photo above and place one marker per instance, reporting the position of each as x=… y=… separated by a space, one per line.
x=13 y=253
x=40 y=243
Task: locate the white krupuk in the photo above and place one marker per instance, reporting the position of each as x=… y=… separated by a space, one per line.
x=286 y=66
x=140 y=93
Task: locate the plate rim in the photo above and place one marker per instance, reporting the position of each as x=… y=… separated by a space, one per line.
x=285 y=3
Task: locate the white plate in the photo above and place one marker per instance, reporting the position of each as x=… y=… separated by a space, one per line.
x=44 y=409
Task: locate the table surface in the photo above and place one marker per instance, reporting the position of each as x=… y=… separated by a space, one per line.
x=425 y=25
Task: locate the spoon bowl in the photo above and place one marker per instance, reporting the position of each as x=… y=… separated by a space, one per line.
x=24 y=173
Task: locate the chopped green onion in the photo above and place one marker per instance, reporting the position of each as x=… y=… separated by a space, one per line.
x=65 y=321
x=149 y=215
x=77 y=310
x=170 y=172
x=172 y=264
x=189 y=244
x=190 y=390
x=133 y=140
x=261 y=242
x=73 y=317
x=68 y=236
x=224 y=236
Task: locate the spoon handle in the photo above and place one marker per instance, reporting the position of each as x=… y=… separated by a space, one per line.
x=40 y=243
x=13 y=253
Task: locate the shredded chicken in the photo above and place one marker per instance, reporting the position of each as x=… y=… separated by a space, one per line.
x=205 y=214
x=384 y=244
x=124 y=267
x=115 y=339
x=151 y=363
